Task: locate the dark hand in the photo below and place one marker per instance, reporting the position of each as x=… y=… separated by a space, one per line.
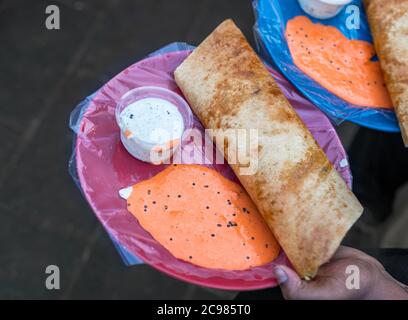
x=333 y=283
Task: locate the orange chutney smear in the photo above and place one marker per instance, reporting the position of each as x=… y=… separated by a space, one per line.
x=340 y=65
x=204 y=218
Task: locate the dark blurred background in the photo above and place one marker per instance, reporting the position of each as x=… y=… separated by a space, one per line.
x=43 y=75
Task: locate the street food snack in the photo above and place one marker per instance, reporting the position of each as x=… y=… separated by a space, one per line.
x=301 y=196
x=389 y=26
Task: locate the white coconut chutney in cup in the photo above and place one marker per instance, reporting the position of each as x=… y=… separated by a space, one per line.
x=323 y=9
x=152 y=121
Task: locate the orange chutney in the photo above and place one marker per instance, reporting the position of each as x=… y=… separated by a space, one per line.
x=340 y=65
x=203 y=218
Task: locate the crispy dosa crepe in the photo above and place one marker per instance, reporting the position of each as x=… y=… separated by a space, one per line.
x=303 y=199
x=389 y=25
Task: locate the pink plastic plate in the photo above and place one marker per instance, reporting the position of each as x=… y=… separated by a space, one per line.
x=104 y=167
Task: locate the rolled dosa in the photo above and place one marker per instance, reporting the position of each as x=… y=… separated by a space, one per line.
x=389 y=25
x=304 y=201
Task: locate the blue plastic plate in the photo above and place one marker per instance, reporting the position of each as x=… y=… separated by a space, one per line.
x=272 y=17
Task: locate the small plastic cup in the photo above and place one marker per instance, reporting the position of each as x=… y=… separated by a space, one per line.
x=323 y=9
x=140 y=147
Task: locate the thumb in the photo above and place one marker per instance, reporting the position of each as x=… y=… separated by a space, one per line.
x=292 y=286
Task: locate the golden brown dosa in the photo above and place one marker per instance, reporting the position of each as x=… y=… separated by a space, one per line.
x=389 y=25
x=303 y=199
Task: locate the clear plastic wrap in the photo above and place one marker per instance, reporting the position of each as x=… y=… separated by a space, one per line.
x=271 y=19
x=101 y=166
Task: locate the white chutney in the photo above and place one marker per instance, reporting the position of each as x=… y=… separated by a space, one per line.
x=323 y=9
x=151 y=129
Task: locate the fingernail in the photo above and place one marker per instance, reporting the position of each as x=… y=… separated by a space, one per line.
x=280 y=275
